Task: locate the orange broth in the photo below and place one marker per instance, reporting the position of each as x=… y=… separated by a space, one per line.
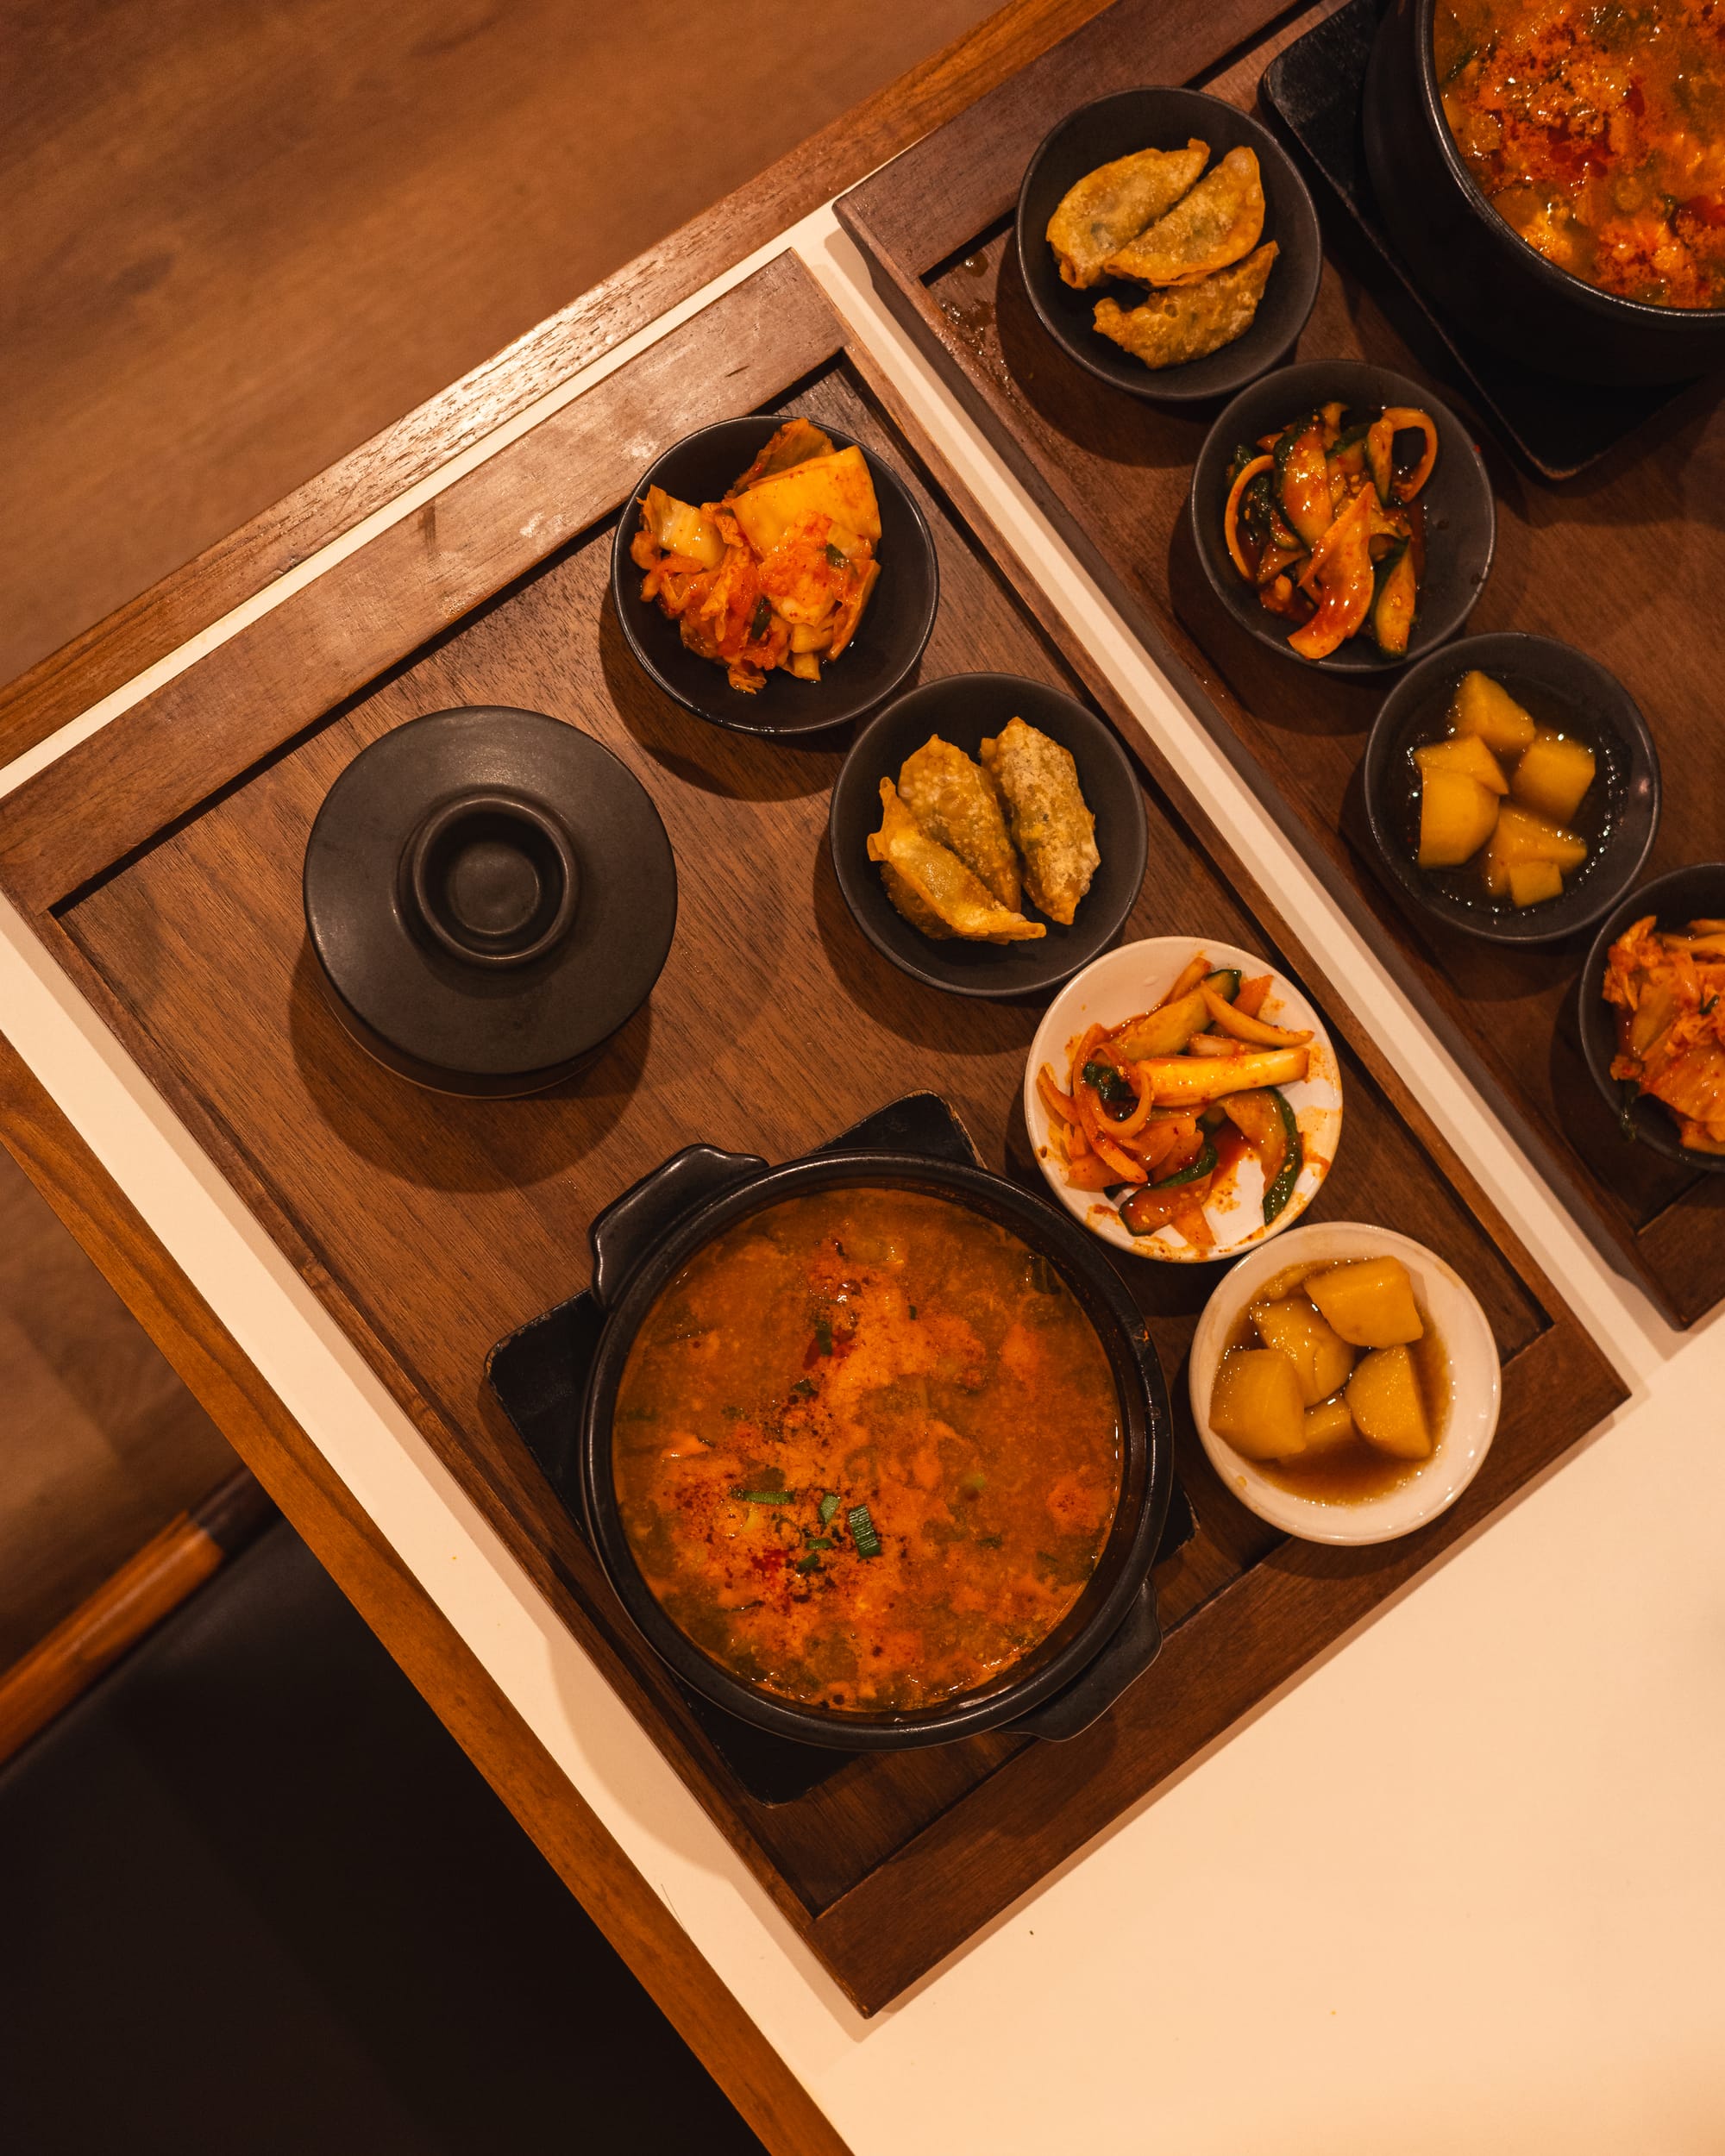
x=1596 y=131
x=877 y=1349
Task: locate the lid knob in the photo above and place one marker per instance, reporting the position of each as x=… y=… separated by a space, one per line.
x=490 y=875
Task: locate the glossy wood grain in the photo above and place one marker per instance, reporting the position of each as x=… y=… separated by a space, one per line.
x=455 y=209
x=1623 y=563
x=432 y=1226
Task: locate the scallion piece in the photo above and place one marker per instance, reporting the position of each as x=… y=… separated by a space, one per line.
x=861 y=1523
x=763 y=1496
x=829 y=1505
x=810 y=1563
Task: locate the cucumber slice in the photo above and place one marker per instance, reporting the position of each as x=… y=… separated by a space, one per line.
x=1280 y=1189
x=1224 y=982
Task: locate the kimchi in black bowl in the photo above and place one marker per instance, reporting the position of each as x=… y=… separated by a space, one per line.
x=875 y=1450
x=894 y=626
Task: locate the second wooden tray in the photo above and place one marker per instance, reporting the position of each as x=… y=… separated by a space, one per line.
x=1626 y=563
x=160 y=863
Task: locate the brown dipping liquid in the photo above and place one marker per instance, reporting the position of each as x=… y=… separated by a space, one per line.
x=1593 y=821
x=1355 y=1470
x=877 y=1349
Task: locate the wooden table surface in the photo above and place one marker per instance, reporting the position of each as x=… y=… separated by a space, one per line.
x=121 y=1173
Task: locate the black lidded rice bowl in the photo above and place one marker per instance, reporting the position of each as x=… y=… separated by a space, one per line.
x=1684 y=895
x=1461 y=516
x=1107 y=1638
x=1466 y=259
x=896 y=624
x=1115 y=126
x=1564 y=681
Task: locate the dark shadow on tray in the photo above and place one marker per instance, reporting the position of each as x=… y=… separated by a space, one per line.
x=738 y=766
x=445 y=1141
x=1643 y=1183
x=920 y=1016
x=1098 y=417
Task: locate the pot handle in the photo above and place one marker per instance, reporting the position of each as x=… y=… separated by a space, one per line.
x=631 y=1225
x=1089 y=1696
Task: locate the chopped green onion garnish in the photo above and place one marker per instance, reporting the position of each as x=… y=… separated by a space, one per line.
x=861 y=1523
x=763 y=1496
x=819 y=1542
x=829 y=1505
x=803 y=1389
x=810 y=1563
x=839 y=560
x=822 y=1336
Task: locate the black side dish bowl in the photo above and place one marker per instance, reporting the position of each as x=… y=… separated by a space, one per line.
x=1109 y=1637
x=889 y=641
x=1461 y=516
x=1148 y=119
x=964 y=709
x=1481 y=272
x=1674 y=900
x=1560 y=685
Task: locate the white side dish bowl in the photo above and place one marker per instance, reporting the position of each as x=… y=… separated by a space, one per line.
x=1475 y=1386
x=1136 y=978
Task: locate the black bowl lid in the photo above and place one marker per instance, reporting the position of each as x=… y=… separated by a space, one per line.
x=490 y=895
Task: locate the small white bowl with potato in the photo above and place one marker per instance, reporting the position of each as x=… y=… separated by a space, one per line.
x=1345 y=1383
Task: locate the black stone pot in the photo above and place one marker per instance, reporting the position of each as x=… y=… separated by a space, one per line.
x=1110 y=1637
x=1468 y=260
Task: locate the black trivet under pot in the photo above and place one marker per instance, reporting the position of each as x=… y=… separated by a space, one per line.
x=538 y=1376
x=1314 y=90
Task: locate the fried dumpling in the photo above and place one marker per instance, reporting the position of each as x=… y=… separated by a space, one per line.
x=1221 y=220
x=927 y=882
x=1114 y=204
x=954 y=802
x=1188 y=321
x=1051 y=826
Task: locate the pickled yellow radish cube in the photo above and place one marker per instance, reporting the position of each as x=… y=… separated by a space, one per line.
x=1522 y=836
x=1456 y=817
x=1553 y=775
x=1383 y=1398
x=1328 y=1426
x=1467 y=754
x=1369 y=1302
x=1256 y=1405
x=1532 y=882
x=1485 y=707
x=1321 y=1358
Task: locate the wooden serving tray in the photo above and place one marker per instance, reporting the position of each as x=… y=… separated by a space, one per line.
x=160 y=862
x=1626 y=562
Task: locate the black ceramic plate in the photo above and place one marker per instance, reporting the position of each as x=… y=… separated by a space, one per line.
x=1552 y=678
x=1167 y=120
x=1461 y=518
x=895 y=625
x=962 y=709
x=1674 y=900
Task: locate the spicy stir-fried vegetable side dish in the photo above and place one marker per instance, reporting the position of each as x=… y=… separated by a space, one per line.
x=1670 y=994
x=779 y=571
x=868 y=1449
x=1160 y=1109
x=1500 y=792
x=1323 y=521
x=1597 y=132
